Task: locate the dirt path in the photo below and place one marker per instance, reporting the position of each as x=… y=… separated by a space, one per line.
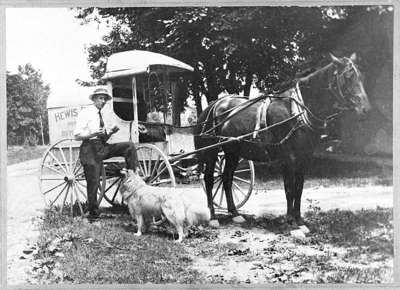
x=25 y=206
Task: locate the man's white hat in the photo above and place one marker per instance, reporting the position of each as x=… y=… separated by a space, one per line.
x=100 y=91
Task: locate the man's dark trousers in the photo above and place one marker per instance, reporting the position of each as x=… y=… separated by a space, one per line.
x=92 y=153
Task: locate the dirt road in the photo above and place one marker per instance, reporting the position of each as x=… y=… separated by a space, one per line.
x=25 y=205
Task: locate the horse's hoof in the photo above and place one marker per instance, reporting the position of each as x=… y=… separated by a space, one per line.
x=290 y=221
x=214 y=223
x=298 y=234
x=238 y=219
x=300 y=221
x=304 y=229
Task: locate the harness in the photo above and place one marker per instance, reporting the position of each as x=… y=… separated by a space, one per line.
x=299 y=111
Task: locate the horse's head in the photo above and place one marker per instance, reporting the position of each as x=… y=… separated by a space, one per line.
x=347 y=85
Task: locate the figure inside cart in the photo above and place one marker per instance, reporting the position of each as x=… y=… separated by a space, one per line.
x=94 y=128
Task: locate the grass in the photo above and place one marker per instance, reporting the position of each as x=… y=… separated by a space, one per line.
x=343 y=246
x=108 y=252
x=17 y=154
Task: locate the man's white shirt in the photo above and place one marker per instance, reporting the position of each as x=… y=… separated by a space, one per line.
x=88 y=120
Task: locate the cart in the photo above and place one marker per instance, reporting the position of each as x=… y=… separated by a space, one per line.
x=149 y=94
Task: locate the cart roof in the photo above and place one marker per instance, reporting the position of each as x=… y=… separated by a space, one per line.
x=140 y=61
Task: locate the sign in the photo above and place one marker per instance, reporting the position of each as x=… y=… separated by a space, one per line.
x=62 y=122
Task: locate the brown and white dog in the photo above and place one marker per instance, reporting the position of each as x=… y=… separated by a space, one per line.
x=145 y=202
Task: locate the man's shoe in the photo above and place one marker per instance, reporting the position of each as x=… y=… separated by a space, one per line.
x=93 y=214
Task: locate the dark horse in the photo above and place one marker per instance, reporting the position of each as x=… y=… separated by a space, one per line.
x=279 y=127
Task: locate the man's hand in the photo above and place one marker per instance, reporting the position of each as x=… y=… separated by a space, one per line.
x=114 y=129
x=100 y=132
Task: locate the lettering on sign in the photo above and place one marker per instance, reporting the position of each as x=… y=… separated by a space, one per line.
x=66 y=114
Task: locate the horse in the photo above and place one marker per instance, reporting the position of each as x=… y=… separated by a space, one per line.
x=279 y=127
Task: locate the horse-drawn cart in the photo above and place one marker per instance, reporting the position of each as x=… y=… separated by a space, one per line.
x=149 y=92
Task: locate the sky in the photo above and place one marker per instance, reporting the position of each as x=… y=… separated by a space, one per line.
x=54 y=42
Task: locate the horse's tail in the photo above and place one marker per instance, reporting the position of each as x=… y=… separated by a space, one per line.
x=205 y=121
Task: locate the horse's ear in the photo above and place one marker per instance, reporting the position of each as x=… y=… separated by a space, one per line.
x=353 y=56
x=335 y=59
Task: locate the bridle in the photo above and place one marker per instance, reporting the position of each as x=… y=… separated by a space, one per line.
x=335 y=87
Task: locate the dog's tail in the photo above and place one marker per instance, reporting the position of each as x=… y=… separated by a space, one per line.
x=197 y=215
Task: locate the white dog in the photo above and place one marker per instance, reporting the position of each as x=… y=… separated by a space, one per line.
x=145 y=202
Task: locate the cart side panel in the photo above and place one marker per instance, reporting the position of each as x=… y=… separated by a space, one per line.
x=180 y=140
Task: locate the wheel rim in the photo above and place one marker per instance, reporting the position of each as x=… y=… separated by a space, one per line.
x=61 y=179
x=242 y=183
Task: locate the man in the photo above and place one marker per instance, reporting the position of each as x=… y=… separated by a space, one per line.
x=94 y=129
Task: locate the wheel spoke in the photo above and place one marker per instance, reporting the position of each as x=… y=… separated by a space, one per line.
x=65 y=198
x=113 y=183
x=216 y=190
x=72 y=201
x=149 y=163
x=59 y=163
x=155 y=166
x=159 y=172
x=116 y=192
x=141 y=168
x=74 y=188
x=57 y=186
x=242 y=170
x=241 y=179
x=53 y=169
x=64 y=159
x=66 y=184
x=54 y=178
x=217 y=177
x=70 y=158
x=222 y=196
x=77 y=166
x=239 y=188
x=81 y=190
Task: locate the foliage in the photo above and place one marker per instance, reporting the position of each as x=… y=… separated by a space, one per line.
x=17 y=154
x=232 y=47
x=26 y=106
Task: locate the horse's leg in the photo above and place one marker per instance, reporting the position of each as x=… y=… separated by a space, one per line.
x=289 y=183
x=299 y=182
x=231 y=162
x=209 y=180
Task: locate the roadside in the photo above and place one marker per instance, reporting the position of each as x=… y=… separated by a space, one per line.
x=24 y=209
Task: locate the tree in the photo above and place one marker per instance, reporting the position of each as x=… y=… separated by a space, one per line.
x=227 y=46
x=26 y=106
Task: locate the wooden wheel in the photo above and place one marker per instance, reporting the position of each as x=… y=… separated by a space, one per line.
x=155 y=169
x=154 y=166
x=113 y=178
x=61 y=178
x=242 y=183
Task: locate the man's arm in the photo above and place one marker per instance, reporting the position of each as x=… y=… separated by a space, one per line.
x=82 y=132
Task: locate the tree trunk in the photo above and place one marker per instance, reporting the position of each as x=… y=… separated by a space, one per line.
x=197 y=92
x=249 y=82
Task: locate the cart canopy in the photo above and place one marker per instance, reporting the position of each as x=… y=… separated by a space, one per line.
x=139 y=61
